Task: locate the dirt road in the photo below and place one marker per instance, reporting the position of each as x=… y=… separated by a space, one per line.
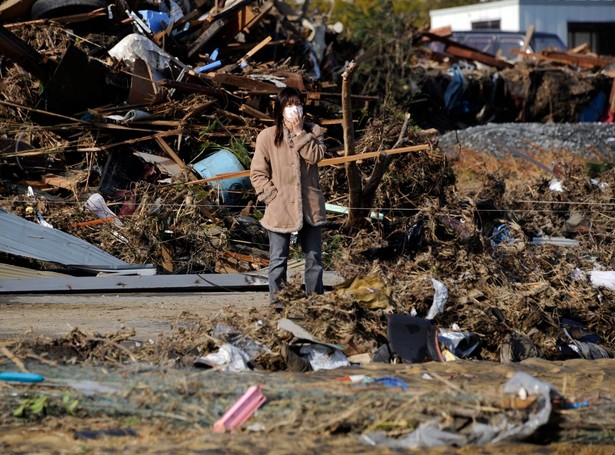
x=148 y=314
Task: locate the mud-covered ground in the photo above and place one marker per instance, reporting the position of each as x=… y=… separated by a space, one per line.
x=34 y=315
x=120 y=367
x=142 y=406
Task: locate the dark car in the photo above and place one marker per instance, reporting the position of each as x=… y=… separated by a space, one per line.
x=497 y=42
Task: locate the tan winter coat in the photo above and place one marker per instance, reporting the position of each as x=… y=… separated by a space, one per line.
x=286 y=179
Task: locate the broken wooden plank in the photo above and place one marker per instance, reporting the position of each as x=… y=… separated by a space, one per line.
x=245 y=83
x=13 y=9
x=469 y=53
x=332 y=121
x=211 y=29
x=189 y=87
x=69 y=19
x=175 y=157
x=215 y=24
x=24 y=55
x=583 y=61
x=264 y=10
x=255 y=112
x=110 y=219
x=319 y=95
x=527 y=38
x=327 y=162
x=66 y=182
x=254 y=50
x=241 y=19
x=246 y=258
x=143 y=89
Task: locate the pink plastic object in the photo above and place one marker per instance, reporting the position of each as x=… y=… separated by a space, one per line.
x=241 y=410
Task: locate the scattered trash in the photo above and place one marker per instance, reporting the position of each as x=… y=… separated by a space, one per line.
x=96 y=203
x=517 y=347
x=439 y=299
x=579 y=341
x=387 y=381
x=12 y=376
x=577 y=405
x=460 y=344
x=306 y=353
x=559 y=241
x=323 y=358
x=392 y=382
x=502 y=236
x=224 y=162
x=370 y=291
x=519 y=392
x=413 y=339
x=228 y=358
x=241 y=411
x=603 y=278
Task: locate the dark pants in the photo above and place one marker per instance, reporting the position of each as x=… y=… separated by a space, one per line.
x=310 y=238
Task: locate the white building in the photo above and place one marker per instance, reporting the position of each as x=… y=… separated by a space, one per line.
x=574 y=21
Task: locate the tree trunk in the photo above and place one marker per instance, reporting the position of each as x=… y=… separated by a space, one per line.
x=352 y=169
x=361 y=198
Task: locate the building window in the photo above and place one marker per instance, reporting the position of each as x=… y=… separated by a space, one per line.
x=488 y=25
x=600 y=36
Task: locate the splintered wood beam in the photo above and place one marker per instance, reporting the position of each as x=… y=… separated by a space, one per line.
x=255 y=20
x=527 y=38
x=481 y=57
x=584 y=61
x=254 y=112
x=216 y=23
x=256 y=48
x=244 y=83
x=100 y=148
x=459 y=50
x=211 y=29
x=326 y=162
x=71 y=19
x=189 y=87
x=169 y=151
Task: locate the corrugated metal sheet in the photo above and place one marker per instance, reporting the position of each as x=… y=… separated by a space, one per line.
x=25 y=238
x=160 y=283
x=8 y=271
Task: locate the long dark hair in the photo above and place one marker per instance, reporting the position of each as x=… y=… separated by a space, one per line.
x=284 y=96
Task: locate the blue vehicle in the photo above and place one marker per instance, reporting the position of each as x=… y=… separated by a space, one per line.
x=500 y=43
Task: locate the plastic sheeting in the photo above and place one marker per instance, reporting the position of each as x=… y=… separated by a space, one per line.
x=431 y=434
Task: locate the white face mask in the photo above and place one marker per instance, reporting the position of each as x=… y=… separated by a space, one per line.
x=291 y=112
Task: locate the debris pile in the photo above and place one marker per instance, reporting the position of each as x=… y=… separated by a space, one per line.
x=115 y=130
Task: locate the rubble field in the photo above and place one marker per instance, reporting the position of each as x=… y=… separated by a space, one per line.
x=492 y=237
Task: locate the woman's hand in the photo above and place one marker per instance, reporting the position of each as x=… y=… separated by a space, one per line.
x=293 y=119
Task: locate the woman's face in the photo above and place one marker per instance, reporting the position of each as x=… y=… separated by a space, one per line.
x=292 y=101
x=293 y=111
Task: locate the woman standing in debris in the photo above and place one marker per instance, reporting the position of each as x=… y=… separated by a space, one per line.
x=284 y=173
